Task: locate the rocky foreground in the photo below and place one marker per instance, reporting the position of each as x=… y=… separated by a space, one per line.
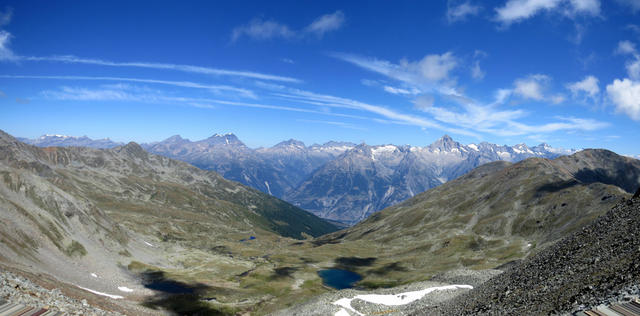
x=19 y=290
x=598 y=264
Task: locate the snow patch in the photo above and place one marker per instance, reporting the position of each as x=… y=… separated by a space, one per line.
x=94 y=275
x=125 y=289
x=115 y=297
x=342 y=312
x=392 y=299
x=268 y=188
x=148 y=244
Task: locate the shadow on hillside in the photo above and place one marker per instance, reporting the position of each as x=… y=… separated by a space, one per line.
x=283 y=272
x=394 y=266
x=556 y=186
x=622 y=176
x=350 y=263
x=328 y=240
x=177 y=297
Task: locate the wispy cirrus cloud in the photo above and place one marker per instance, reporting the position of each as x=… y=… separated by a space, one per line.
x=163 y=66
x=490 y=119
x=120 y=92
x=326 y=23
x=432 y=72
x=261 y=29
x=185 y=84
x=334 y=123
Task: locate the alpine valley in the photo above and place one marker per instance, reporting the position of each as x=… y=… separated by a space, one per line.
x=147 y=234
x=339 y=181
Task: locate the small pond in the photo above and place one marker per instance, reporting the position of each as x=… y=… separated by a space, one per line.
x=339 y=279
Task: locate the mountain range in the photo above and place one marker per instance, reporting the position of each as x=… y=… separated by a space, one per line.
x=56 y=140
x=340 y=181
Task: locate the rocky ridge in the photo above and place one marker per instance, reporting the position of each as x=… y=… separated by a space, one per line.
x=599 y=263
x=17 y=289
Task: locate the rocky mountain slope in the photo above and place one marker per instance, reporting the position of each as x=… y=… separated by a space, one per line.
x=496 y=213
x=94 y=218
x=583 y=269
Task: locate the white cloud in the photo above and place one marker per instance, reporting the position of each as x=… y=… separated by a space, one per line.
x=518 y=10
x=434 y=67
x=262 y=30
x=588 y=86
x=625 y=95
x=5 y=17
x=185 y=84
x=326 y=23
x=531 y=87
x=459 y=12
x=433 y=72
x=176 y=67
x=5 y=51
x=591 y=7
x=633 y=66
x=626 y=47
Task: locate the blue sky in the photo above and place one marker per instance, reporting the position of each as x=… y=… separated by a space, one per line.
x=565 y=72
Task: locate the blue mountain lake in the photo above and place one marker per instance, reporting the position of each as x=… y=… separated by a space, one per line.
x=339 y=279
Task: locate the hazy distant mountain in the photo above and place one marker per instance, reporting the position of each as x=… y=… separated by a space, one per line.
x=70 y=141
x=367 y=178
x=275 y=170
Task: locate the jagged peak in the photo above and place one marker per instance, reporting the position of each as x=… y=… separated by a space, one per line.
x=133 y=148
x=223 y=139
x=174 y=138
x=445 y=143
x=290 y=142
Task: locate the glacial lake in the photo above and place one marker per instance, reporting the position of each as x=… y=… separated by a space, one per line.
x=339 y=279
